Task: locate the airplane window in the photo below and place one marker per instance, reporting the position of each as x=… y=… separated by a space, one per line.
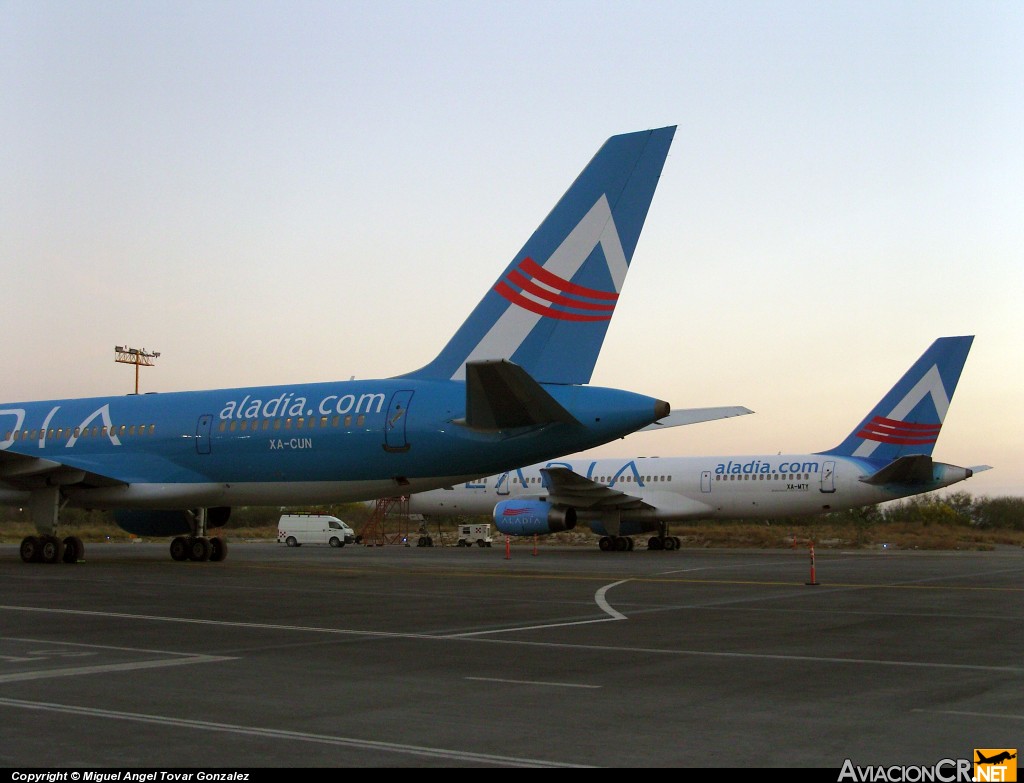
x=348 y=421
x=288 y=424
x=300 y=423
x=244 y=425
x=361 y=420
x=335 y=420
x=323 y=421
x=277 y=424
x=222 y=426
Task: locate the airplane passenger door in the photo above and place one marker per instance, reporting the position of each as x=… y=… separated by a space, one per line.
x=203 y=428
x=394 y=422
x=705 y=481
x=828 y=476
x=502 y=484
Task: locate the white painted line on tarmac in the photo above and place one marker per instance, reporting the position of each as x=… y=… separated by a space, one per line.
x=536 y=682
x=256 y=731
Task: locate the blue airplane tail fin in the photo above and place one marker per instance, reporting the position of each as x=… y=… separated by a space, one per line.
x=549 y=310
x=908 y=419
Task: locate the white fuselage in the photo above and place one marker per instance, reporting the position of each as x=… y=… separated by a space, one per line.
x=685 y=488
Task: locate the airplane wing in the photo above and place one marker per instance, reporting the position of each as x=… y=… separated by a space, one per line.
x=696 y=415
x=571 y=489
x=20 y=472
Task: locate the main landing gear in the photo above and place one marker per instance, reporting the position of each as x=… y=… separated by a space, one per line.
x=44 y=507
x=51 y=549
x=668 y=543
x=615 y=544
x=661 y=542
x=199 y=549
x=198 y=546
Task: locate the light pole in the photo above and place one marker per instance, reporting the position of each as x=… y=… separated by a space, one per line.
x=137 y=356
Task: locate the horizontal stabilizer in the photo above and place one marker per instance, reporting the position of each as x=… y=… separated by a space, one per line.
x=914 y=469
x=501 y=395
x=979 y=468
x=679 y=418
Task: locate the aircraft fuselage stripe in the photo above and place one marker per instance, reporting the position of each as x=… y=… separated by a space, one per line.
x=534 y=269
x=517 y=298
x=885 y=430
x=529 y=286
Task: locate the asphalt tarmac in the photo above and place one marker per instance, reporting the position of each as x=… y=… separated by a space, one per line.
x=400 y=656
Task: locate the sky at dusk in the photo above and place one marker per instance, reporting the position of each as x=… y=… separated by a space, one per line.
x=278 y=192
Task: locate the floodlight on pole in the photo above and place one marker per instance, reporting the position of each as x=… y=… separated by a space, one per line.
x=140 y=357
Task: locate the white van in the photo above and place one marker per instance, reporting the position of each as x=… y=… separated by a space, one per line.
x=299 y=529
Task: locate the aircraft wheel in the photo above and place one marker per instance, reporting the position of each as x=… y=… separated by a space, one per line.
x=654 y=543
x=199 y=549
x=290 y=541
x=52 y=549
x=621 y=544
x=179 y=548
x=670 y=543
x=605 y=544
x=74 y=549
x=31 y=549
x=335 y=542
x=218 y=549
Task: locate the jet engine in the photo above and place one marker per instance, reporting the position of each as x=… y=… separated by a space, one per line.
x=530 y=517
x=167 y=522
